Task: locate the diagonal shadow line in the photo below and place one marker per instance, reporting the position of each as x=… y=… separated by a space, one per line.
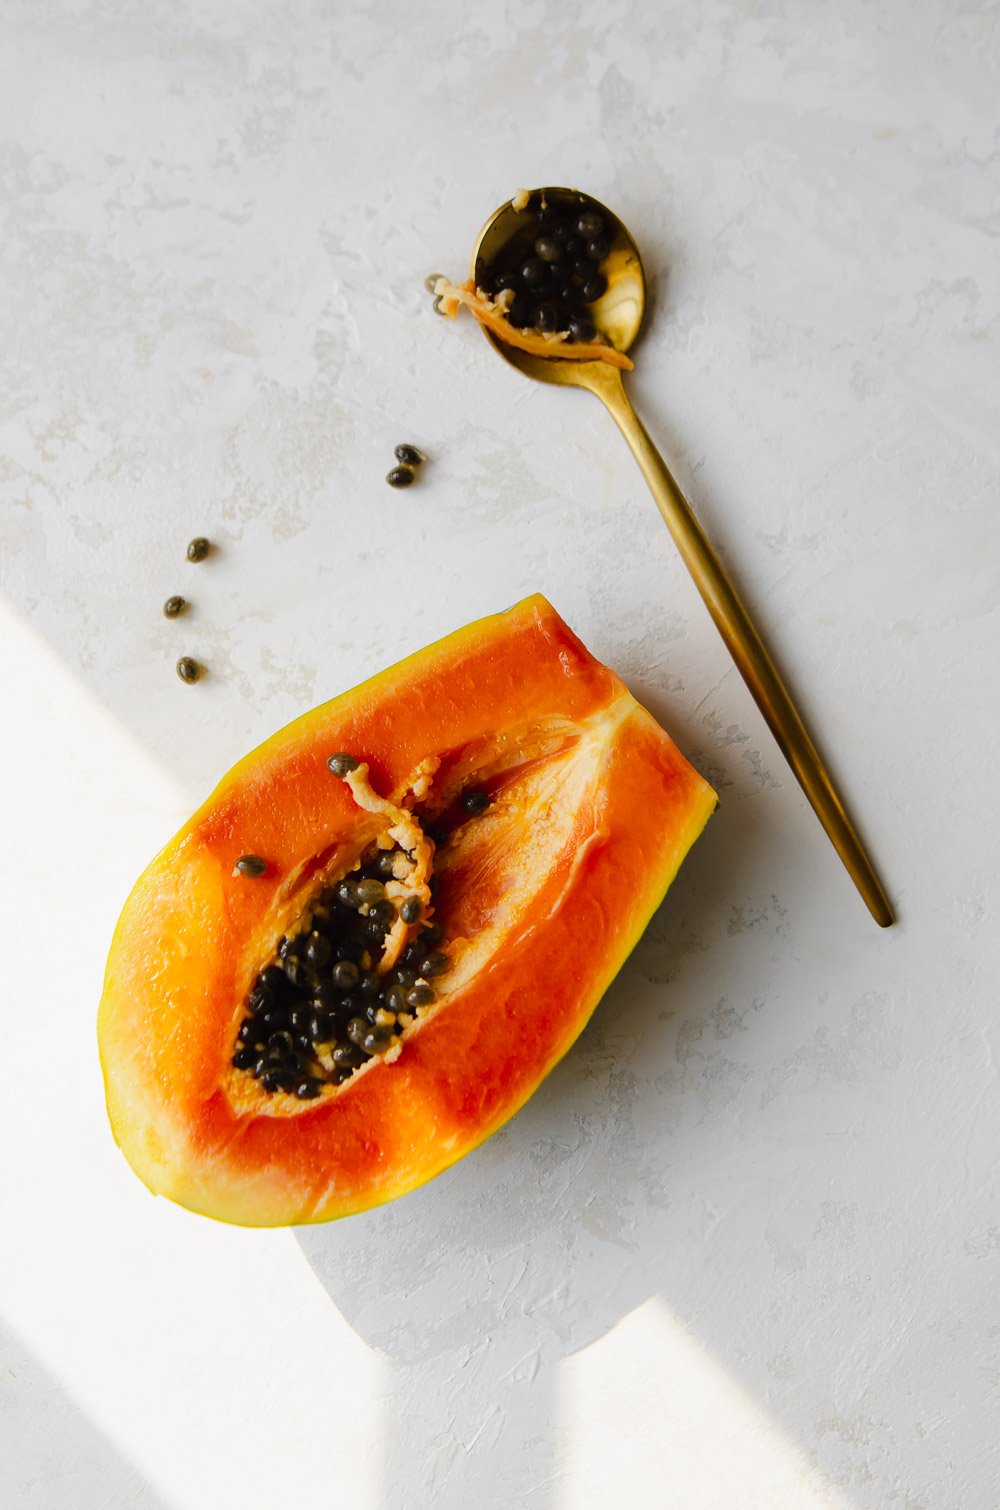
x=53 y=1454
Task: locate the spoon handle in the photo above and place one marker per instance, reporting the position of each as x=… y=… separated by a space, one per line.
x=748 y=651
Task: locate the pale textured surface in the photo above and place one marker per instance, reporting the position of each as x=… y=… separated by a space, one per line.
x=742 y=1249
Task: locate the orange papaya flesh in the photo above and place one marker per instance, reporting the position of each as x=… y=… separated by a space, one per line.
x=492 y=313
x=540 y=899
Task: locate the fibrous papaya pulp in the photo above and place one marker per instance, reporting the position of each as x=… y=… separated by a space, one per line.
x=387 y=924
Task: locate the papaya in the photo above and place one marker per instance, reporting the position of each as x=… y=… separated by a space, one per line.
x=387 y=924
x=492 y=313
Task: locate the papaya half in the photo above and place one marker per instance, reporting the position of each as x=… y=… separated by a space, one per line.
x=387 y=924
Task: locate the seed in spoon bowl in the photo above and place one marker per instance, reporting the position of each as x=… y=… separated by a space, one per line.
x=554 y=257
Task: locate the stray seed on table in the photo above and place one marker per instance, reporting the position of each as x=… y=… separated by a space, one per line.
x=250 y=865
x=198 y=548
x=188 y=670
x=431 y=281
x=410 y=455
x=173 y=606
x=400 y=477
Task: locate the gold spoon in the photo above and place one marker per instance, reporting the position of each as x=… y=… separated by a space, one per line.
x=618 y=315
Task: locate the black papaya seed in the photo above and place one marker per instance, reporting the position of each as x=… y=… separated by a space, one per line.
x=250 y=865
x=188 y=669
x=342 y=764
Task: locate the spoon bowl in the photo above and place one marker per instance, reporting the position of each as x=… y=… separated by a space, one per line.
x=618 y=315
x=619 y=312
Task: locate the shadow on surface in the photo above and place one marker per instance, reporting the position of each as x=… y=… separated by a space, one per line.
x=636 y=1171
x=654 y=1161
x=53 y=1456
x=675 y=1153
x=539 y=1242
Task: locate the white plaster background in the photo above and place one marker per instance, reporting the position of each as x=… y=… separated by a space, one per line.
x=742 y=1249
